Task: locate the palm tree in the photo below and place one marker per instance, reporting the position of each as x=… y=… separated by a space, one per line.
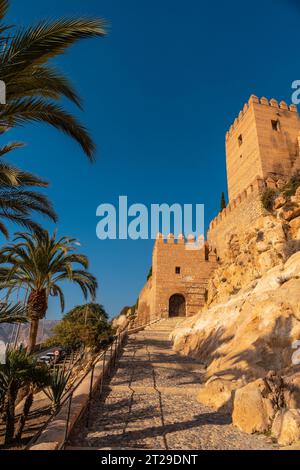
x=17 y=201
x=13 y=376
x=32 y=85
x=57 y=385
x=38 y=377
x=39 y=262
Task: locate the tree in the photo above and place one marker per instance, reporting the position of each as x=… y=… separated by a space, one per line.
x=33 y=85
x=38 y=377
x=89 y=313
x=14 y=374
x=84 y=325
x=17 y=200
x=40 y=262
x=223 y=201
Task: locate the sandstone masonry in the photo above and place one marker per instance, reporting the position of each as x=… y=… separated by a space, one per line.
x=262 y=151
x=180 y=273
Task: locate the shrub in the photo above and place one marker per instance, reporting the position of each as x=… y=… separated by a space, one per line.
x=86 y=325
x=290 y=188
x=268 y=197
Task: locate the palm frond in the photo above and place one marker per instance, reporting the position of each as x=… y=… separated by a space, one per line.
x=20 y=112
x=12 y=313
x=39 y=43
x=10 y=147
x=4 y=5
x=41 y=81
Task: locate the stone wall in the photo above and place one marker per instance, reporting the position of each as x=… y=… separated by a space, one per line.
x=237 y=216
x=194 y=264
x=145 y=304
x=179 y=267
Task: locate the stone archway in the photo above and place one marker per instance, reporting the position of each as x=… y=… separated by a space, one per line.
x=177 y=307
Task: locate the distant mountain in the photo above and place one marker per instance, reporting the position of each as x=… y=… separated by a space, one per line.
x=8 y=332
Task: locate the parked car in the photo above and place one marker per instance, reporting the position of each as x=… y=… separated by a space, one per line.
x=44 y=359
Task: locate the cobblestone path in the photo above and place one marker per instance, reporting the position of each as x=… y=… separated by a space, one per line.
x=150 y=404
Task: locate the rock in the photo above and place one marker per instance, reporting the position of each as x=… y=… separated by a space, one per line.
x=218 y=393
x=290 y=212
x=276 y=426
x=121 y=322
x=292 y=391
x=250 y=331
x=295 y=228
x=286 y=427
x=296 y=197
x=279 y=202
x=253 y=411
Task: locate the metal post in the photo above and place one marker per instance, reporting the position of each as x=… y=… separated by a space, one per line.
x=103 y=372
x=119 y=344
x=68 y=420
x=111 y=354
x=90 y=397
x=115 y=352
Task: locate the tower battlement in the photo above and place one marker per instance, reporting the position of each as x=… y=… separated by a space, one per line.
x=183 y=248
x=263 y=141
x=263 y=101
x=181 y=240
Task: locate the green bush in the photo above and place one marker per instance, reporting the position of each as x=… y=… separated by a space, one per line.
x=268 y=197
x=86 y=325
x=290 y=188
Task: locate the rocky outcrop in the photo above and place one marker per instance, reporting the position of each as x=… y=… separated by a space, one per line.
x=251 y=326
x=250 y=333
x=256 y=404
x=249 y=254
x=121 y=322
x=286 y=427
x=218 y=393
x=252 y=408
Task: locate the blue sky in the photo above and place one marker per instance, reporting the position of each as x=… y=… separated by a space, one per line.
x=159 y=93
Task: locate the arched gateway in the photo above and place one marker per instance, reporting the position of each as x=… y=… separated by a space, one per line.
x=177 y=306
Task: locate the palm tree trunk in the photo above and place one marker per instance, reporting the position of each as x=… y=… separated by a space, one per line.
x=10 y=415
x=34 y=325
x=24 y=415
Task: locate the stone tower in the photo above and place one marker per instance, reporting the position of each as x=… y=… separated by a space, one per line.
x=262 y=142
x=180 y=273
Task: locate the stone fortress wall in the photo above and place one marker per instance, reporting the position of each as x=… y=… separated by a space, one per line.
x=179 y=267
x=262 y=151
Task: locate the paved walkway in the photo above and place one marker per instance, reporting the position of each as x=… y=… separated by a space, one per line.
x=150 y=404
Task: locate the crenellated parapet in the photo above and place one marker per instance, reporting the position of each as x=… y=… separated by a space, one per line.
x=196 y=246
x=256 y=187
x=262 y=101
x=181 y=240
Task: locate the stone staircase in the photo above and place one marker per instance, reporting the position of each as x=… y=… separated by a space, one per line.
x=165 y=326
x=150 y=403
